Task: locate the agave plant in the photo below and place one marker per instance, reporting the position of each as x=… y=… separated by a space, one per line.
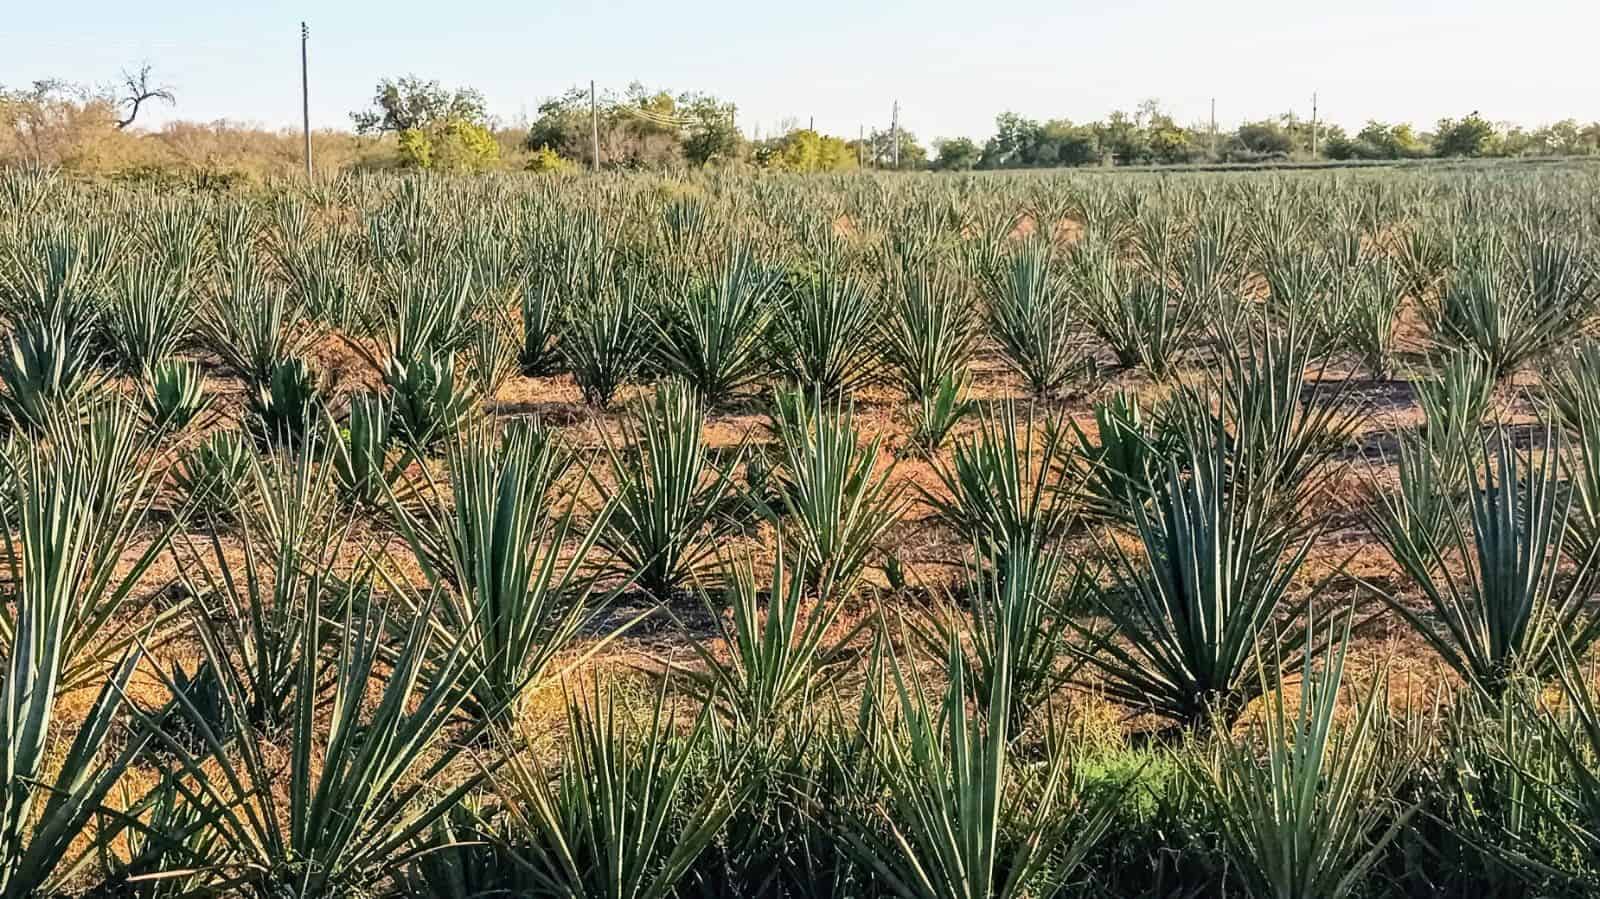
x=47 y=369
x=605 y=341
x=1016 y=614
x=492 y=356
x=1141 y=315
x=955 y=796
x=253 y=325
x=432 y=402
x=1374 y=294
x=173 y=395
x=366 y=462
x=712 y=335
x=832 y=500
x=510 y=572
x=618 y=822
x=1286 y=431
x=251 y=612
x=68 y=595
x=1453 y=406
x=148 y=318
x=1491 y=574
x=1572 y=384
x=1007 y=485
x=287 y=408
x=1512 y=310
x=360 y=792
x=826 y=327
x=1315 y=816
x=82 y=524
x=542 y=318
x=37 y=854
x=425 y=313
x=1193 y=615
x=929 y=332
x=1126 y=453
x=213 y=477
x=669 y=501
x=772 y=665
x=938 y=414
x=1549 y=785
x=1030 y=314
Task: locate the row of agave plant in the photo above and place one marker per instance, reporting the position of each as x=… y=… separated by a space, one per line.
x=447 y=295
x=353 y=728
x=347 y=729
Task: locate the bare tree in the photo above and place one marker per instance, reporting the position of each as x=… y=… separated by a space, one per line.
x=136 y=90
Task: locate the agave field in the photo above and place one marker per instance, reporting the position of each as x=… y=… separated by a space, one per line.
x=937 y=537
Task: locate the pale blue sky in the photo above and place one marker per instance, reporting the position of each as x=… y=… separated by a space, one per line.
x=953 y=66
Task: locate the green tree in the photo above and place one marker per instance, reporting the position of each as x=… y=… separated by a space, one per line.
x=712 y=134
x=1124 y=138
x=1469 y=136
x=408 y=103
x=463 y=146
x=1266 y=138
x=805 y=150
x=1063 y=143
x=957 y=154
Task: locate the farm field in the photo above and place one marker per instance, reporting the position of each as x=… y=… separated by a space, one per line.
x=724 y=536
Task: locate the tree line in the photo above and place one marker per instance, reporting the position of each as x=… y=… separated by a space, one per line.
x=412 y=122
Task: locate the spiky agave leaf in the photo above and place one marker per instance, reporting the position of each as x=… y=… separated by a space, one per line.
x=510 y=571
x=1030 y=313
x=937 y=414
x=606 y=339
x=367 y=461
x=1014 y=614
x=929 y=331
x=432 y=400
x=173 y=394
x=254 y=325
x=46 y=370
x=82 y=514
x=827 y=324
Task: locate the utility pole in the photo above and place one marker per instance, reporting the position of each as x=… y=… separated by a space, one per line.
x=894 y=136
x=305 y=96
x=811 y=124
x=861 y=146
x=594 y=126
x=1313 y=124
x=1213 y=129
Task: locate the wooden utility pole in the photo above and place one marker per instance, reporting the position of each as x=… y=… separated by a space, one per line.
x=1313 y=124
x=894 y=136
x=594 y=126
x=305 y=96
x=1213 y=129
x=861 y=146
